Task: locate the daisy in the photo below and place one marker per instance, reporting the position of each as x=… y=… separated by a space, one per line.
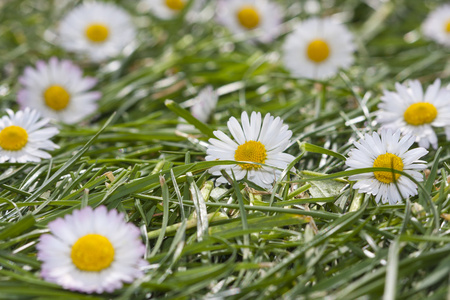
x=318 y=48
x=437 y=25
x=242 y=16
x=96 y=29
x=254 y=142
x=167 y=9
x=387 y=151
x=202 y=108
x=416 y=113
x=22 y=137
x=58 y=91
x=91 y=251
x=205 y=103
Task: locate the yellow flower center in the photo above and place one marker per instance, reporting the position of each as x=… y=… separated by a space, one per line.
x=92 y=252
x=447 y=27
x=97 y=32
x=251 y=151
x=13 y=138
x=420 y=113
x=248 y=16
x=56 y=97
x=318 y=51
x=391 y=161
x=175 y=4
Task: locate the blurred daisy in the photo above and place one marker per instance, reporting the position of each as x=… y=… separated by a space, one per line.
x=99 y=30
x=91 y=251
x=58 y=91
x=203 y=106
x=254 y=142
x=242 y=16
x=437 y=25
x=416 y=113
x=389 y=151
x=318 y=48
x=22 y=137
x=166 y=9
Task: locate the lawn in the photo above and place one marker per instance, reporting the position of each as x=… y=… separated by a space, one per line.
x=308 y=234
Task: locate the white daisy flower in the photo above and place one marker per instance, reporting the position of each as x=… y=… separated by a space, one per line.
x=58 y=91
x=91 y=251
x=205 y=103
x=203 y=106
x=318 y=48
x=22 y=137
x=166 y=9
x=389 y=151
x=243 y=16
x=416 y=113
x=96 y=29
x=437 y=25
x=254 y=142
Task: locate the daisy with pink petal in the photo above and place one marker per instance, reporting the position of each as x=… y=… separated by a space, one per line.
x=59 y=91
x=91 y=250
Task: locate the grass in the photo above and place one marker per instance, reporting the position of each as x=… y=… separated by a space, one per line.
x=313 y=237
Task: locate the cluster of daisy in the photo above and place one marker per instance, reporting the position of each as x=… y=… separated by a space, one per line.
x=317 y=49
x=259 y=145
x=88 y=250
x=413 y=113
x=56 y=90
x=416 y=115
x=95 y=250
